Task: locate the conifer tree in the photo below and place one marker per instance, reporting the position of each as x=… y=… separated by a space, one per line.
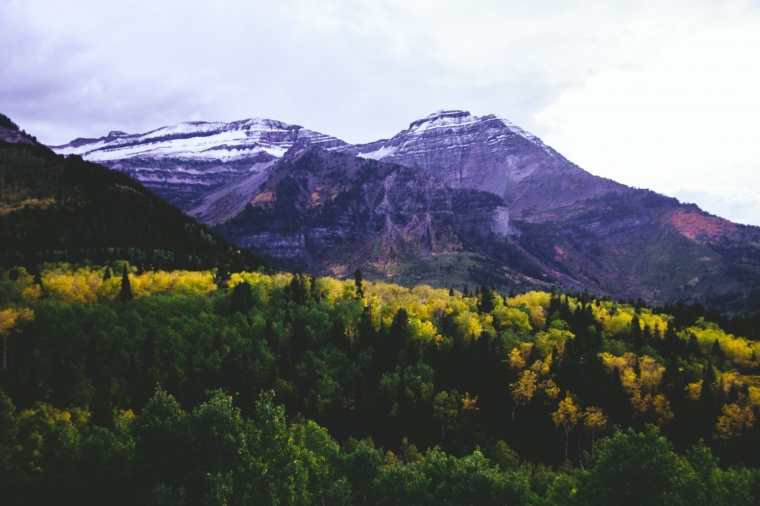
x=358 y=280
x=126 y=287
x=636 y=334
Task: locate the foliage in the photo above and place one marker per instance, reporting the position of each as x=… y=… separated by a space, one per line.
x=198 y=392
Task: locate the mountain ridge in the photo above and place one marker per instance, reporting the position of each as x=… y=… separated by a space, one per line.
x=552 y=222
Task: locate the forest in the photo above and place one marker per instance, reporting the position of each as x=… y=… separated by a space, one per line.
x=125 y=385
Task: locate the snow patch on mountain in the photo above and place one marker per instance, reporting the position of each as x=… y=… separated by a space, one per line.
x=199 y=140
x=378 y=154
x=527 y=135
x=443 y=119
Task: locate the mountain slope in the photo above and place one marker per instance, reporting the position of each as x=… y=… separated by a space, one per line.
x=65 y=209
x=331 y=213
x=639 y=244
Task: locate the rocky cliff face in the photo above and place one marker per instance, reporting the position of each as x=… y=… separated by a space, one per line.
x=332 y=212
x=641 y=244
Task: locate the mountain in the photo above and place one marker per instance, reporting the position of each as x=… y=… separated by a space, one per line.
x=502 y=209
x=208 y=170
x=585 y=231
x=489 y=154
x=55 y=208
x=333 y=212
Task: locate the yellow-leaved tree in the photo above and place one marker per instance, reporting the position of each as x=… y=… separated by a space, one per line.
x=567 y=416
x=11 y=320
x=735 y=419
x=594 y=420
x=523 y=390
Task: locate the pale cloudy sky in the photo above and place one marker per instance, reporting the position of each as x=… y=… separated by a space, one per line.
x=655 y=94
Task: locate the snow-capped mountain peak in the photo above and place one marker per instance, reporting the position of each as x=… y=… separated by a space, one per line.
x=454 y=125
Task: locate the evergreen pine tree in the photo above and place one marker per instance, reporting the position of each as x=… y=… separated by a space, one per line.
x=126 y=287
x=485 y=300
x=636 y=335
x=358 y=280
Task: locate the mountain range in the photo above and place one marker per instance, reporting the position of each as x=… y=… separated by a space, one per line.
x=454 y=199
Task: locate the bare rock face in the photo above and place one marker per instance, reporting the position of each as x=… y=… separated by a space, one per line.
x=333 y=212
x=500 y=222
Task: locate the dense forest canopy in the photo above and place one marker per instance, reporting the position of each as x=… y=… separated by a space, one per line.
x=201 y=387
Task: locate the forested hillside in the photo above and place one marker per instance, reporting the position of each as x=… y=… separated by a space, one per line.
x=65 y=209
x=126 y=386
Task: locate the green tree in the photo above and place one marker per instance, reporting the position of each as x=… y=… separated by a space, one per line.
x=50 y=441
x=486 y=298
x=278 y=475
x=126 y=288
x=360 y=464
x=9 y=449
x=445 y=410
x=241 y=299
x=107 y=467
x=632 y=468
x=358 y=282
x=218 y=441
x=162 y=436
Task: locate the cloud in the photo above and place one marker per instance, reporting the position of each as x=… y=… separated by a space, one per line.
x=648 y=93
x=683 y=122
x=738 y=205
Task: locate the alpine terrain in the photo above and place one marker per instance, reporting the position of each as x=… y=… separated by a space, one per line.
x=453 y=199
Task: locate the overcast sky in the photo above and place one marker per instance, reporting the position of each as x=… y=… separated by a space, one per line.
x=655 y=94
